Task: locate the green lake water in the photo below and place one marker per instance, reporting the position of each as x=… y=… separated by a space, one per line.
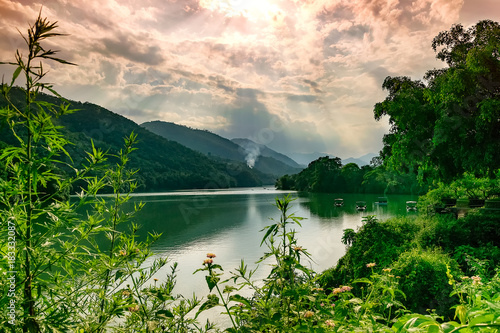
x=228 y=223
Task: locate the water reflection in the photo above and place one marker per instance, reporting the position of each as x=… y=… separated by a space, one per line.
x=228 y=223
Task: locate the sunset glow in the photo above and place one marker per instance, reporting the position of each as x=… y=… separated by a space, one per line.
x=296 y=75
x=253 y=10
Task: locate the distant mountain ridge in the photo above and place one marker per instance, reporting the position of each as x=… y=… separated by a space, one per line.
x=261 y=158
x=258 y=149
x=305 y=158
x=162 y=164
x=360 y=161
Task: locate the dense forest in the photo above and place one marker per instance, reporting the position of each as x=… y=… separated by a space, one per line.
x=328 y=175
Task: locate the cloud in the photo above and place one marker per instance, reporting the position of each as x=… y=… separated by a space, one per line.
x=133 y=48
x=299 y=75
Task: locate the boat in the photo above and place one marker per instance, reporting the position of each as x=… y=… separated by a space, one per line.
x=361 y=205
x=382 y=201
x=411 y=206
x=339 y=202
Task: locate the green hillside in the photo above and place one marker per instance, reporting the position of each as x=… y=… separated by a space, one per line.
x=213 y=145
x=267 y=152
x=162 y=164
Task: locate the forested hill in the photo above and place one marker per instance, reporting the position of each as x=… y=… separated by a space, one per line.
x=262 y=150
x=162 y=164
x=259 y=157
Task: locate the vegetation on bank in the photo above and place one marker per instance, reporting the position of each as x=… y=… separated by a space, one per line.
x=328 y=175
x=57 y=277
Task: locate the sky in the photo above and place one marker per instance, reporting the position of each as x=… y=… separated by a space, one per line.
x=296 y=75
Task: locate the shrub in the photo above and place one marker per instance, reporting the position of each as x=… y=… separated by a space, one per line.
x=424 y=281
x=379 y=242
x=476 y=229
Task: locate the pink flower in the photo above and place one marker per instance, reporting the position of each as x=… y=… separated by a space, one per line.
x=370 y=265
x=207 y=261
x=210 y=255
x=346 y=288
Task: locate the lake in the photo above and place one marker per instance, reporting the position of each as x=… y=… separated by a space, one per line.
x=227 y=222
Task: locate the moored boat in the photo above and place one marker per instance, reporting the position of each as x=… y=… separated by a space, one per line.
x=339 y=202
x=361 y=205
x=411 y=206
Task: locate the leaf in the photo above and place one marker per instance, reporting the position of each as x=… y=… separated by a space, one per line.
x=211 y=281
x=15 y=75
x=240 y=299
x=164 y=314
x=268 y=232
x=363 y=280
x=482 y=319
x=210 y=303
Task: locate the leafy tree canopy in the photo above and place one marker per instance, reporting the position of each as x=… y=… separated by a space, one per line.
x=449 y=124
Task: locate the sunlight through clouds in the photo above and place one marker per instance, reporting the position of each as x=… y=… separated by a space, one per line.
x=235 y=66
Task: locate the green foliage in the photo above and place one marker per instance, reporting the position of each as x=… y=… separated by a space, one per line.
x=290 y=299
x=374 y=242
x=162 y=164
x=237 y=150
x=467 y=187
x=64 y=271
x=475 y=229
x=349 y=237
x=423 y=280
x=450 y=125
x=327 y=175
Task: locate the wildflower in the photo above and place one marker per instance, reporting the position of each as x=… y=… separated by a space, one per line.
x=155 y=279
x=123 y=252
x=126 y=293
x=210 y=255
x=465 y=277
x=134 y=308
x=207 y=261
x=391 y=275
x=370 y=265
x=476 y=280
x=308 y=314
x=297 y=248
x=346 y=288
x=387 y=270
x=330 y=323
x=337 y=291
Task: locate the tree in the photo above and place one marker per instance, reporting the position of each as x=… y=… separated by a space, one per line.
x=450 y=125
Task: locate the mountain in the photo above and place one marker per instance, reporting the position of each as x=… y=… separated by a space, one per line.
x=360 y=161
x=305 y=158
x=162 y=164
x=216 y=146
x=254 y=149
